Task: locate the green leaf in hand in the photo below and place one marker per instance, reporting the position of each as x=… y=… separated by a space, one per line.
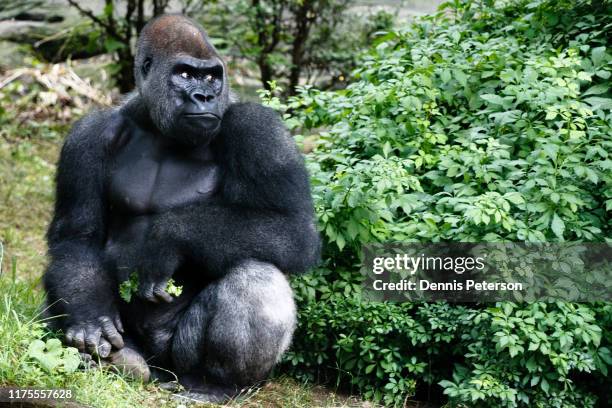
x=172 y=289
x=129 y=287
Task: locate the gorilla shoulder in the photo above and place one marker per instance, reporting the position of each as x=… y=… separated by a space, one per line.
x=99 y=130
x=255 y=119
x=257 y=132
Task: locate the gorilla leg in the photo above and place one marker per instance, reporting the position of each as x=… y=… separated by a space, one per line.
x=237 y=328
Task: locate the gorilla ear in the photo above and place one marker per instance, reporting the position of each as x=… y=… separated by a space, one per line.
x=146 y=66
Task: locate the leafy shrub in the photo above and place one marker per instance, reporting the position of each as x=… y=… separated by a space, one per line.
x=490 y=121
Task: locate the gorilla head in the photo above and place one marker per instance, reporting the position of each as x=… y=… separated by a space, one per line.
x=182 y=79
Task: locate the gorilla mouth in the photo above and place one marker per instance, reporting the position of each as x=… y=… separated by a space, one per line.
x=208 y=116
x=207 y=120
x=196 y=123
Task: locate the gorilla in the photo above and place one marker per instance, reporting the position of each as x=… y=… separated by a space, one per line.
x=180 y=182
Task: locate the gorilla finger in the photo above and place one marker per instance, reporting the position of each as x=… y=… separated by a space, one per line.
x=162 y=294
x=118 y=324
x=79 y=339
x=110 y=332
x=92 y=339
x=147 y=293
x=104 y=348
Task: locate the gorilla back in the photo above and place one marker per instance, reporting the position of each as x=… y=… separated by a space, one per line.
x=181 y=183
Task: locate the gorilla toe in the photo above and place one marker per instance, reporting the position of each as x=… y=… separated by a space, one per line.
x=130 y=363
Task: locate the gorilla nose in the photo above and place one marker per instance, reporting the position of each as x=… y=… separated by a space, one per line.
x=202 y=98
x=200 y=103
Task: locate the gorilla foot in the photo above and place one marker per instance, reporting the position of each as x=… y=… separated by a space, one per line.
x=196 y=390
x=130 y=363
x=212 y=394
x=212 y=397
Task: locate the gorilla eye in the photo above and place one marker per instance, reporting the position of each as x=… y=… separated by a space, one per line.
x=146 y=65
x=185 y=75
x=209 y=78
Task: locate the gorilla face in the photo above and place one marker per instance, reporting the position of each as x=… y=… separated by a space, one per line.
x=196 y=88
x=182 y=80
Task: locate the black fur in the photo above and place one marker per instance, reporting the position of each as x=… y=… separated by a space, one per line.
x=226 y=246
x=77 y=284
x=264 y=210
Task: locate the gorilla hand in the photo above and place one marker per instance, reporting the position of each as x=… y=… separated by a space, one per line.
x=97 y=336
x=158 y=264
x=154 y=291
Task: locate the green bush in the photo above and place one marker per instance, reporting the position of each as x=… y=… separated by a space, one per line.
x=490 y=121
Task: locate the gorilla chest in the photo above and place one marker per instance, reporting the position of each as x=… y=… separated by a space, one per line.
x=147 y=176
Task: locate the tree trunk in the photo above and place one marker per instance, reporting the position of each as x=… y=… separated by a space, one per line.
x=303 y=24
x=125 y=76
x=265 y=71
x=140 y=16
x=159 y=7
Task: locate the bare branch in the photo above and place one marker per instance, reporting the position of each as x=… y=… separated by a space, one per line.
x=110 y=29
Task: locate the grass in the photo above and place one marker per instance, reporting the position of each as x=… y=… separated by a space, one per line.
x=29 y=147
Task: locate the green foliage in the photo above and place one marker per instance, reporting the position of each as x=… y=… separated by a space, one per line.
x=172 y=289
x=52 y=356
x=527 y=355
x=128 y=287
x=316 y=41
x=490 y=121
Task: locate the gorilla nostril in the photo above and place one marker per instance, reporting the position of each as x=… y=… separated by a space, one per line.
x=200 y=97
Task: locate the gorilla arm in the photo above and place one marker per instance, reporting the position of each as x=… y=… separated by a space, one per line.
x=77 y=284
x=264 y=209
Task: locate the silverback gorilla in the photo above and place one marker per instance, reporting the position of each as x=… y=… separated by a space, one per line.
x=180 y=182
